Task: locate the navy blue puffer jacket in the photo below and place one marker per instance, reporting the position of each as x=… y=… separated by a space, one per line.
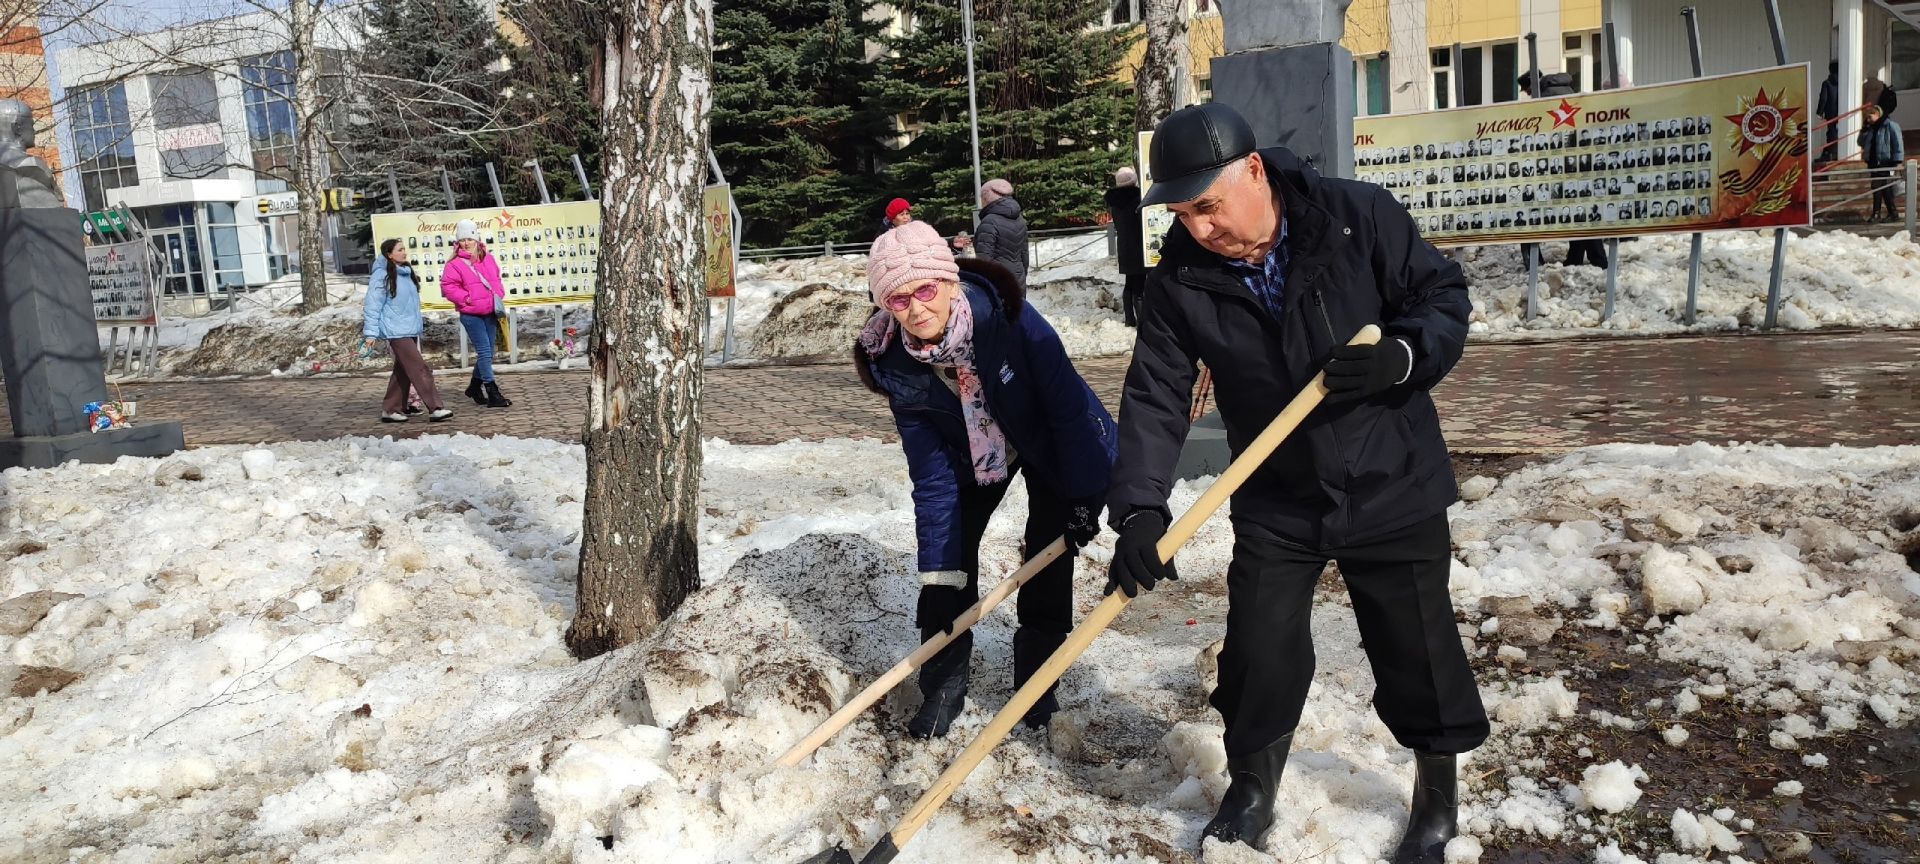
x=1063 y=435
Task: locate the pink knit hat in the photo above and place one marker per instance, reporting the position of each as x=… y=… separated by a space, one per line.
x=907 y=254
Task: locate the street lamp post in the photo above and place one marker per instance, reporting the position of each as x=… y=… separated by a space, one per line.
x=973 y=104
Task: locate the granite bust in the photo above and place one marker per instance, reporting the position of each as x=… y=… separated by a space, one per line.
x=25 y=180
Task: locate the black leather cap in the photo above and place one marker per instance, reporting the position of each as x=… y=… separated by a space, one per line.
x=1189 y=149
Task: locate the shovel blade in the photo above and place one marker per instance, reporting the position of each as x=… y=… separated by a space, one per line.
x=836 y=855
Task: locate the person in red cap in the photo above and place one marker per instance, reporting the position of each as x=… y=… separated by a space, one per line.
x=899 y=212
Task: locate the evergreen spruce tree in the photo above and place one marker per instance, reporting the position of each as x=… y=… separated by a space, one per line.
x=426 y=96
x=1054 y=118
x=793 y=126
x=553 y=108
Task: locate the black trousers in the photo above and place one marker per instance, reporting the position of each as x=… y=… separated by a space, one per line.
x=1830 y=152
x=1130 y=297
x=1883 y=195
x=1587 y=252
x=1044 y=606
x=1424 y=690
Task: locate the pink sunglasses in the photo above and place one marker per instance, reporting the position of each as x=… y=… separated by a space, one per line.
x=924 y=294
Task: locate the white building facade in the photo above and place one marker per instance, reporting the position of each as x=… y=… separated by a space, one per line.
x=187 y=128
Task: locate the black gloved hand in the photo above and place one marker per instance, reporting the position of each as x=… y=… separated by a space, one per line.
x=1136 y=556
x=939 y=605
x=1360 y=371
x=1083 y=522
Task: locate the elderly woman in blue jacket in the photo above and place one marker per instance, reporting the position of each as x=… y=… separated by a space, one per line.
x=393 y=316
x=981 y=389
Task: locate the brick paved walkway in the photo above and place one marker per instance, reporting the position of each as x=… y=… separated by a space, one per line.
x=1798 y=389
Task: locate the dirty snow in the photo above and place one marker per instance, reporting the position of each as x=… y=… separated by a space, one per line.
x=353 y=652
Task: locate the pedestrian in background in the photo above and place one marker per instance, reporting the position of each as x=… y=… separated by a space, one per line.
x=1828 y=108
x=1002 y=235
x=899 y=212
x=1882 y=150
x=392 y=315
x=1123 y=203
x=1590 y=251
x=471 y=282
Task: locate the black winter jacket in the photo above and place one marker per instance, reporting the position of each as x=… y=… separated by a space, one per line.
x=1002 y=237
x=1123 y=202
x=1350 y=472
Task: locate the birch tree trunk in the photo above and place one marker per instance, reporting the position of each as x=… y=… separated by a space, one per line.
x=1160 y=86
x=639 y=555
x=310 y=154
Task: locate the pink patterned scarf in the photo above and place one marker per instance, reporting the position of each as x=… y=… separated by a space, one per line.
x=985 y=442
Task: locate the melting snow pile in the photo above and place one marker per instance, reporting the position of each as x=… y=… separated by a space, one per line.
x=351 y=651
x=1833 y=279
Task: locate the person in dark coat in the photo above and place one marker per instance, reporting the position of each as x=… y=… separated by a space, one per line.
x=981 y=389
x=1123 y=203
x=1590 y=251
x=1828 y=107
x=1002 y=235
x=1270 y=271
x=1882 y=149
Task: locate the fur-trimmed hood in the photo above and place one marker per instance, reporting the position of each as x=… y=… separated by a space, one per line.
x=1003 y=290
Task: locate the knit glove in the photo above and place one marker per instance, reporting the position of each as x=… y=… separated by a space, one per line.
x=941 y=601
x=1083 y=522
x=1136 y=555
x=1359 y=372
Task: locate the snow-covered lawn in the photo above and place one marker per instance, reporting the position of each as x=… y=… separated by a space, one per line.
x=1834 y=279
x=351 y=651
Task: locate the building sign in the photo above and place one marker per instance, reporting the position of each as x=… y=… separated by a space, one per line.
x=279 y=204
x=120 y=278
x=188 y=137
x=548 y=253
x=717 y=209
x=1714 y=153
x=1155 y=220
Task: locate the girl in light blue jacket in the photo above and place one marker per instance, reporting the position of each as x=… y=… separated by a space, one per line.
x=393 y=315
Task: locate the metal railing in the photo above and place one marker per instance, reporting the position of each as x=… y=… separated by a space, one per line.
x=1096 y=234
x=1905 y=179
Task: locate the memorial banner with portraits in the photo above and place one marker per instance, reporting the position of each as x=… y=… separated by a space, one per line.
x=1155 y=219
x=548 y=253
x=717 y=260
x=1714 y=153
x=120 y=279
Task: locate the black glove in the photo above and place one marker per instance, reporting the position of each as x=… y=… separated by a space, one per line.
x=1136 y=556
x=1083 y=523
x=939 y=605
x=1360 y=371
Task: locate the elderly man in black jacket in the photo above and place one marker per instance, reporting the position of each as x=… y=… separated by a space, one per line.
x=1270 y=272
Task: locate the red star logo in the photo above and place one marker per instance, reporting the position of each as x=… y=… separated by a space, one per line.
x=1565 y=114
x=506 y=219
x=1763 y=120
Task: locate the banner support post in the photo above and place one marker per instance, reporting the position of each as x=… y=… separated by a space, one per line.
x=446 y=188
x=493 y=179
x=1693 y=254
x=1779 y=234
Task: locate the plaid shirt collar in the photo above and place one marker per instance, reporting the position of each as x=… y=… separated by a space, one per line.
x=1268 y=280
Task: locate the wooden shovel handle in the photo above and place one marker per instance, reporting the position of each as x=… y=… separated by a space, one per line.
x=1181 y=531
x=921 y=655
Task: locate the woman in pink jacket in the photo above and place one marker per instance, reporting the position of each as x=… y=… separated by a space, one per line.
x=472 y=284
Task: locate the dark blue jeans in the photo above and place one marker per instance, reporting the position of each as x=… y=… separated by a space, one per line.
x=481 y=333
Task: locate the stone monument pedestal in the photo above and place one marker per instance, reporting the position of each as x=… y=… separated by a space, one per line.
x=50 y=349
x=1284 y=71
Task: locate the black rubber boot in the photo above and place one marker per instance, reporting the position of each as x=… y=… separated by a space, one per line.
x=1031 y=648
x=1434 y=817
x=474 y=391
x=1246 y=812
x=494 y=399
x=943 y=686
